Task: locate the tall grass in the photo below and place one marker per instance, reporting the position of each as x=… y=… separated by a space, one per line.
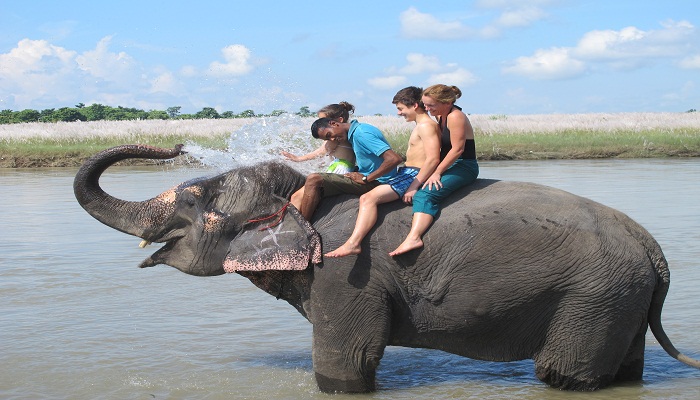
x=497 y=136
x=603 y=135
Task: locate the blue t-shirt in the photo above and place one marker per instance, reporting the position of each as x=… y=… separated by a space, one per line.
x=369 y=143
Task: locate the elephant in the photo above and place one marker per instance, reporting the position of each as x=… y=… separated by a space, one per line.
x=509 y=271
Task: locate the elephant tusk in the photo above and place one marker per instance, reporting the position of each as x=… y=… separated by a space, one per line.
x=144 y=243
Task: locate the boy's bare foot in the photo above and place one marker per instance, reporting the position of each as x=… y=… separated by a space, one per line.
x=344 y=250
x=406 y=246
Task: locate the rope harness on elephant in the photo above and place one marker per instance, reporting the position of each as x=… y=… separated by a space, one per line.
x=280 y=212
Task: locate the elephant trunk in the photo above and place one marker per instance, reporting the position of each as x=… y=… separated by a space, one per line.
x=131 y=217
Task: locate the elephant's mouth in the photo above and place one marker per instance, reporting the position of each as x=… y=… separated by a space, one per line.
x=159 y=256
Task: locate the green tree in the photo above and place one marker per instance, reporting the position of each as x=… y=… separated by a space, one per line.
x=304 y=112
x=135 y=113
x=277 y=113
x=95 y=112
x=207 y=113
x=27 y=115
x=158 y=114
x=228 y=114
x=67 y=114
x=115 y=114
x=7 y=117
x=173 y=112
x=46 y=115
x=246 y=114
x=124 y=113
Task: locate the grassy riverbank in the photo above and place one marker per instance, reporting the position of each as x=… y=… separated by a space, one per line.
x=498 y=137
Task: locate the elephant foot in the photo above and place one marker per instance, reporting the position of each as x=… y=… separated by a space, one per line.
x=632 y=366
x=564 y=382
x=332 y=385
x=630 y=372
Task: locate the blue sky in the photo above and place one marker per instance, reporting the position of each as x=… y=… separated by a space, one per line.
x=508 y=57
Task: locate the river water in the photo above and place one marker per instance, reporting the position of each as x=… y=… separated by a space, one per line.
x=78 y=320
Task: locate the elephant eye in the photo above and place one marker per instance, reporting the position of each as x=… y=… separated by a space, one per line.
x=188 y=199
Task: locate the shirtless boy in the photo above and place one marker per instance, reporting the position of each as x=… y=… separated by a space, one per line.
x=422 y=157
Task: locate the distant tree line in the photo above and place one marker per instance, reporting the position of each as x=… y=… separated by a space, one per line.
x=100 y=112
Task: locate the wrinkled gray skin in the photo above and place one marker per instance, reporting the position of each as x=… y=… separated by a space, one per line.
x=509 y=271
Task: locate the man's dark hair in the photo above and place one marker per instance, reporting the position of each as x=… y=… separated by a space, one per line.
x=409 y=96
x=319 y=124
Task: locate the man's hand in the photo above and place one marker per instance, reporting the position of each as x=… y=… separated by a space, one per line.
x=355 y=176
x=411 y=191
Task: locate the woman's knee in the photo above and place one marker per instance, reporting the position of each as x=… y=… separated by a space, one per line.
x=427 y=196
x=426 y=202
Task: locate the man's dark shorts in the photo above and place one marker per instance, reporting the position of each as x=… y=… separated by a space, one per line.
x=335 y=184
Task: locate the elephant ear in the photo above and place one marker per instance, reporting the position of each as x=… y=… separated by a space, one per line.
x=284 y=240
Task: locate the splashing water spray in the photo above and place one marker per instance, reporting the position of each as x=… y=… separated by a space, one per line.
x=262 y=140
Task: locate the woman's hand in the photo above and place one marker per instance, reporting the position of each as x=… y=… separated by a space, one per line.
x=433 y=182
x=290 y=156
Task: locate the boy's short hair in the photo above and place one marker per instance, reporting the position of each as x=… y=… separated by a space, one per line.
x=319 y=124
x=409 y=96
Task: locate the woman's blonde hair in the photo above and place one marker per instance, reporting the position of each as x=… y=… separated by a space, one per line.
x=443 y=93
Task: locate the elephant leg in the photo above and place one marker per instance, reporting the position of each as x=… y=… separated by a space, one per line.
x=347 y=349
x=632 y=366
x=575 y=366
x=339 y=372
x=583 y=351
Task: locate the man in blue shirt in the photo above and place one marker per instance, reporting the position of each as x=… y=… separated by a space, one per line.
x=376 y=164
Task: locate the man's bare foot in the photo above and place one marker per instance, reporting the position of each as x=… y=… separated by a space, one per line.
x=406 y=246
x=344 y=250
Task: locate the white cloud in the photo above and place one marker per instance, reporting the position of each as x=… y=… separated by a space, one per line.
x=692 y=62
x=520 y=17
x=418 y=25
x=555 y=63
x=37 y=70
x=166 y=82
x=418 y=63
x=458 y=77
x=680 y=96
x=35 y=57
x=608 y=44
x=512 y=14
x=189 y=71
x=633 y=43
x=237 y=63
x=37 y=74
x=627 y=48
x=101 y=63
x=388 y=82
x=498 y=15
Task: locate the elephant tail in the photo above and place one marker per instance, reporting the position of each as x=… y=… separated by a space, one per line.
x=657 y=303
